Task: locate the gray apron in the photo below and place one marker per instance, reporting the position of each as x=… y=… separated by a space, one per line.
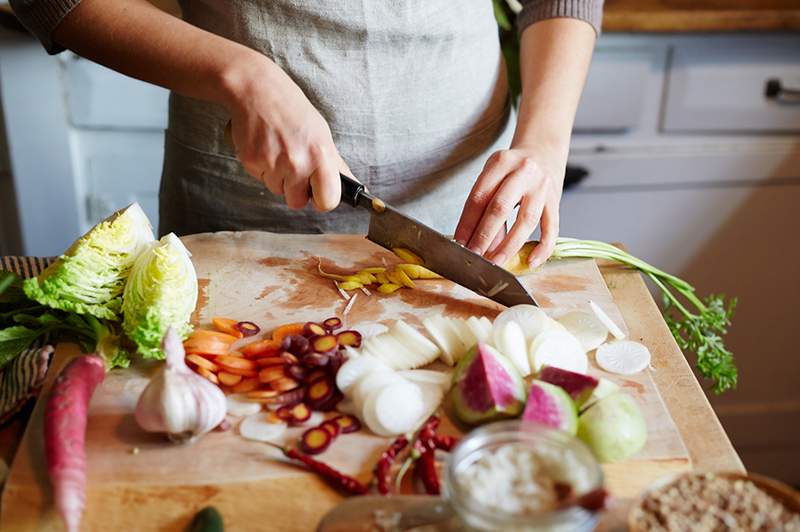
x=414 y=92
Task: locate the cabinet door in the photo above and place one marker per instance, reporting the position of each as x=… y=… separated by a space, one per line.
x=739 y=240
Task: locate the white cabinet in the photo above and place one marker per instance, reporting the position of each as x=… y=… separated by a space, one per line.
x=705 y=183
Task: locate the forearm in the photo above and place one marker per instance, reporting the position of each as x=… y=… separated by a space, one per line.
x=554 y=59
x=139 y=40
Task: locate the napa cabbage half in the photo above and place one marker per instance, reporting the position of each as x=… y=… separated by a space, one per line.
x=89 y=278
x=161 y=292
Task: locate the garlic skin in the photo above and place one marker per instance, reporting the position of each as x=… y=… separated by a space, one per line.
x=177 y=401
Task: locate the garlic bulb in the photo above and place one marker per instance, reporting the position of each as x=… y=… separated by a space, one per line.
x=178 y=401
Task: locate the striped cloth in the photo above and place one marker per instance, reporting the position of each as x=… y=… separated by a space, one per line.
x=21 y=379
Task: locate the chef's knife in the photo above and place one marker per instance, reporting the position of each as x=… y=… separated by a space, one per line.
x=391 y=229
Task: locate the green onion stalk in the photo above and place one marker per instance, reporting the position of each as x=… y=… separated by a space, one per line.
x=697 y=325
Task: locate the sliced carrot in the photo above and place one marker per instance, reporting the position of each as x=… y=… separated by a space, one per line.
x=237 y=354
x=284 y=384
x=262 y=348
x=246 y=385
x=227 y=326
x=272 y=417
x=271 y=373
x=205 y=334
x=227 y=361
x=240 y=371
x=290 y=329
x=206 y=347
x=229 y=379
x=201 y=362
x=208 y=375
x=270 y=361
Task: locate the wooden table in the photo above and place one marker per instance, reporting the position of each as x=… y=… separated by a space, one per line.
x=708 y=445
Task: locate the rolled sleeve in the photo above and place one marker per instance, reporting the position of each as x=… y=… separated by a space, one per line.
x=42 y=17
x=590 y=11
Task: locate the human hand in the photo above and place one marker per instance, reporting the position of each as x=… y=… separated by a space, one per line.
x=282 y=140
x=528 y=177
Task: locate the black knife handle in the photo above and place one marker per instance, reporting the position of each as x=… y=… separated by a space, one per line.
x=351 y=190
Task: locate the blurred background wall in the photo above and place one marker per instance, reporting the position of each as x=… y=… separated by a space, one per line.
x=688 y=130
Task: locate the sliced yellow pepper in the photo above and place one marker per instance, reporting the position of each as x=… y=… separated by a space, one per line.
x=366 y=277
x=408 y=255
x=350 y=285
x=373 y=271
x=404 y=279
x=388 y=288
x=415 y=271
x=382 y=278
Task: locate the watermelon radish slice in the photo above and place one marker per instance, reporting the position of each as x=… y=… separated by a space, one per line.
x=551 y=406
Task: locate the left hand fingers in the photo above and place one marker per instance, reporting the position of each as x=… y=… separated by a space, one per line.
x=530 y=211
x=550 y=222
x=498 y=210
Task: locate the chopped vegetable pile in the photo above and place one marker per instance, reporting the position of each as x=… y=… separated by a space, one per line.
x=389 y=280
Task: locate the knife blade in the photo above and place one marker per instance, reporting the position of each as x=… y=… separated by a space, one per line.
x=390 y=228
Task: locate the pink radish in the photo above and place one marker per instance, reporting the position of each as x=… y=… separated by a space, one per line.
x=65 y=418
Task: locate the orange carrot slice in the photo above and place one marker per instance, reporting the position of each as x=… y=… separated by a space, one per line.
x=270 y=361
x=271 y=373
x=208 y=375
x=201 y=362
x=227 y=361
x=205 y=334
x=284 y=384
x=262 y=348
x=229 y=379
x=290 y=329
x=247 y=384
x=227 y=326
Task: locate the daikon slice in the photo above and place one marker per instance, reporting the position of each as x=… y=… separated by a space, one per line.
x=444 y=336
x=354 y=368
x=468 y=339
x=350 y=352
x=488 y=326
x=557 y=347
x=236 y=404
x=432 y=396
x=625 y=357
x=256 y=427
x=586 y=327
x=426 y=350
x=510 y=341
x=532 y=320
x=394 y=409
x=479 y=330
x=391 y=351
x=367 y=383
x=368 y=330
x=428 y=376
x=607 y=321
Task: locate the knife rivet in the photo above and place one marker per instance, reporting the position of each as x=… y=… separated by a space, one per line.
x=378 y=205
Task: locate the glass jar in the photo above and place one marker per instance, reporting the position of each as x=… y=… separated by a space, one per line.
x=475 y=515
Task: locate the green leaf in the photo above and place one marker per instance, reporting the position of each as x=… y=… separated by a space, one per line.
x=13 y=341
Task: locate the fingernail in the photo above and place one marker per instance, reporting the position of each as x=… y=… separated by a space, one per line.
x=461 y=242
x=475 y=249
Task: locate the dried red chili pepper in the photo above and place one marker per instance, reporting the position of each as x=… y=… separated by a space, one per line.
x=337 y=479
x=384 y=465
x=426 y=469
x=445 y=443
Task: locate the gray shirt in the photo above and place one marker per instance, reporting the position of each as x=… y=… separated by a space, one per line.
x=414 y=91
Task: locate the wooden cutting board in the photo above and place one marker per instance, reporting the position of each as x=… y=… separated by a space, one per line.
x=139 y=481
